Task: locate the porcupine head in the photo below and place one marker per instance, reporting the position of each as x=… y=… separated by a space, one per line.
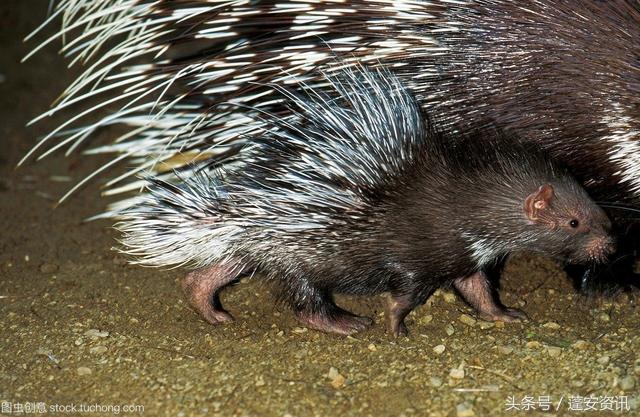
x=517 y=199
x=474 y=203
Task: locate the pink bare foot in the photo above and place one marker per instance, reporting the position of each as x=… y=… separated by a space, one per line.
x=339 y=321
x=477 y=291
x=398 y=308
x=202 y=288
x=505 y=314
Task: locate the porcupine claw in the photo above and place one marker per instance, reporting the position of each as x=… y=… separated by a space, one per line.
x=476 y=290
x=202 y=288
x=336 y=321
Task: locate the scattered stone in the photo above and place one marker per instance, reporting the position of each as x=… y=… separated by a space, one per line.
x=435 y=381
x=464 y=410
x=505 y=350
x=48 y=268
x=95 y=333
x=426 y=319
x=372 y=347
x=299 y=330
x=581 y=345
x=554 y=351
x=551 y=325
x=484 y=325
x=83 y=370
x=603 y=360
x=449 y=297
x=438 y=350
x=533 y=344
x=449 y=329
x=337 y=380
x=627 y=383
x=604 y=317
x=260 y=381
x=456 y=373
x=467 y=319
x=98 y=350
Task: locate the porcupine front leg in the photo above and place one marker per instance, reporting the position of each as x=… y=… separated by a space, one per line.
x=316 y=309
x=477 y=291
x=202 y=288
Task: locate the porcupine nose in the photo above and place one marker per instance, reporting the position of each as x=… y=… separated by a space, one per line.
x=600 y=248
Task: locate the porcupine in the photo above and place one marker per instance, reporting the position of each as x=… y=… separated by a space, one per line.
x=357 y=192
x=564 y=75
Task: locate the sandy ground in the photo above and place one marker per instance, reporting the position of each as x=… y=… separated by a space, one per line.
x=79 y=327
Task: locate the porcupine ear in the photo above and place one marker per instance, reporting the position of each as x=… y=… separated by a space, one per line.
x=539 y=201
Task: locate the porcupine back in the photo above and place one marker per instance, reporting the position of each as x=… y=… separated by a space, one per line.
x=319 y=168
x=564 y=75
x=349 y=193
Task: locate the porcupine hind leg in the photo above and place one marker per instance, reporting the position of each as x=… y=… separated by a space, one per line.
x=202 y=288
x=317 y=310
x=477 y=291
x=401 y=302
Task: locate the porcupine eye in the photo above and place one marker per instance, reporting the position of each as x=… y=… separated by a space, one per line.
x=574 y=223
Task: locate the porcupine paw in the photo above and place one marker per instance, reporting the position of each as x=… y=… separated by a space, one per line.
x=202 y=289
x=341 y=322
x=505 y=314
x=398 y=328
x=215 y=316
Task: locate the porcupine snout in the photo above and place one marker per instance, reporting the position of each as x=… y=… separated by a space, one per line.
x=600 y=248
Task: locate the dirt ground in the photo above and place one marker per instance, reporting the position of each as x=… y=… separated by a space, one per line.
x=81 y=328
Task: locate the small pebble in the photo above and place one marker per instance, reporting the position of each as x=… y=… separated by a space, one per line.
x=435 y=381
x=554 y=351
x=48 y=268
x=484 y=325
x=505 y=350
x=534 y=344
x=456 y=373
x=426 y=319
x=627 y=383
x=464 y=410
x=438 y=350
x=551 y=325
x=581 y=345
x=449 y=297
x=95 y=333
x=83 y=370
x=467 y=319
x=98 y=350
x=337 y=380
x=604 y=317
x=603 y=360
x=372 y=347
x=449 y=329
